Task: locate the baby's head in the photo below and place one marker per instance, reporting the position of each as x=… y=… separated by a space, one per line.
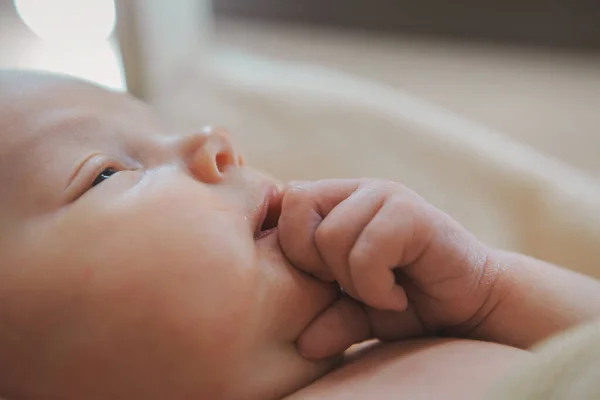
x=130 y=261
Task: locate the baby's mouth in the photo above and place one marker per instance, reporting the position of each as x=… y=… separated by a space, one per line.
x=270 y=216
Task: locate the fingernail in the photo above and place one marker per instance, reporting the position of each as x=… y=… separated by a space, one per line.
x=302 y=352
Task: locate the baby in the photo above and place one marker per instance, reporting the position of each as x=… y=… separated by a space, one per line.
x=137 y=263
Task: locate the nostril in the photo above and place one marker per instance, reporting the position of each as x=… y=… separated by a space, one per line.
x=223 y=160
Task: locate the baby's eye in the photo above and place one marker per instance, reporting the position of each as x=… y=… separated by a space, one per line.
x=104 y=175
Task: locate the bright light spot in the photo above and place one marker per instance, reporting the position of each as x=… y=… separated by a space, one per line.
x=99 y=63
x=68 y=20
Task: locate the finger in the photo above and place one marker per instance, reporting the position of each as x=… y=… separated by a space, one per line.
x=431 y=239
x=303 y=207
x=446 y=243
x=392 y=326
x=337 y=234
x=379 y=249
x=298 y=222
x=328 y=193
x=338 y=327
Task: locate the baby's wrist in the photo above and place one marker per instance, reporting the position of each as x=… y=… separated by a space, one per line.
x=498 y=283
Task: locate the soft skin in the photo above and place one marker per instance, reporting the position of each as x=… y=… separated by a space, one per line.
x=150 y=284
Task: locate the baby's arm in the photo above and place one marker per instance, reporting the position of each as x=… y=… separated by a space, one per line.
x=533 y=300
x=411 y=270
x=432 y=368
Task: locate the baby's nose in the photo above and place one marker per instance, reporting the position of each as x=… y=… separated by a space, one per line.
x=210 y=153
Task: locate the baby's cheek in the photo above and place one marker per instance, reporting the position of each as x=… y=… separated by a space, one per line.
x=159 y=304
x=180 y=261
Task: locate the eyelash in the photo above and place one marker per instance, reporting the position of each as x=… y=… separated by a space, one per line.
x=104 y=175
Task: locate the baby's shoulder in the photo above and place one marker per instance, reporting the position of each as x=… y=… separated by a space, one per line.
x=424 y=368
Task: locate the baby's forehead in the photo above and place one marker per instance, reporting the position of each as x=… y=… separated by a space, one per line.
x=29 y=97
x=39 y=107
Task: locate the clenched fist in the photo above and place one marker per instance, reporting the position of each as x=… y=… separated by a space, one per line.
x=406 y=268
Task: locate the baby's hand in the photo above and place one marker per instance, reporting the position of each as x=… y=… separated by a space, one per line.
x=408 y=268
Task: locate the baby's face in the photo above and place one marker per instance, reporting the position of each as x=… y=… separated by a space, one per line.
x=130 y=265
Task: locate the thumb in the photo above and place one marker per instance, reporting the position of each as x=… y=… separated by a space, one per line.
x=338 y=327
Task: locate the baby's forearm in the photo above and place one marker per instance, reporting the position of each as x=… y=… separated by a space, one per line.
x=534 y=300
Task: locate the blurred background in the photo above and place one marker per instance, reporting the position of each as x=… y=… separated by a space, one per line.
x=74 y=37
x=530 y=69
x=489 y=108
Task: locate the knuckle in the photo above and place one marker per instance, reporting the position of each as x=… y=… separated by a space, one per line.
x=326 y=233
x=399 y=204
x=379 y=185
x=391 y=190
x=385 y=185
x=404 y=203
x=294 y=196
x=361 y=257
